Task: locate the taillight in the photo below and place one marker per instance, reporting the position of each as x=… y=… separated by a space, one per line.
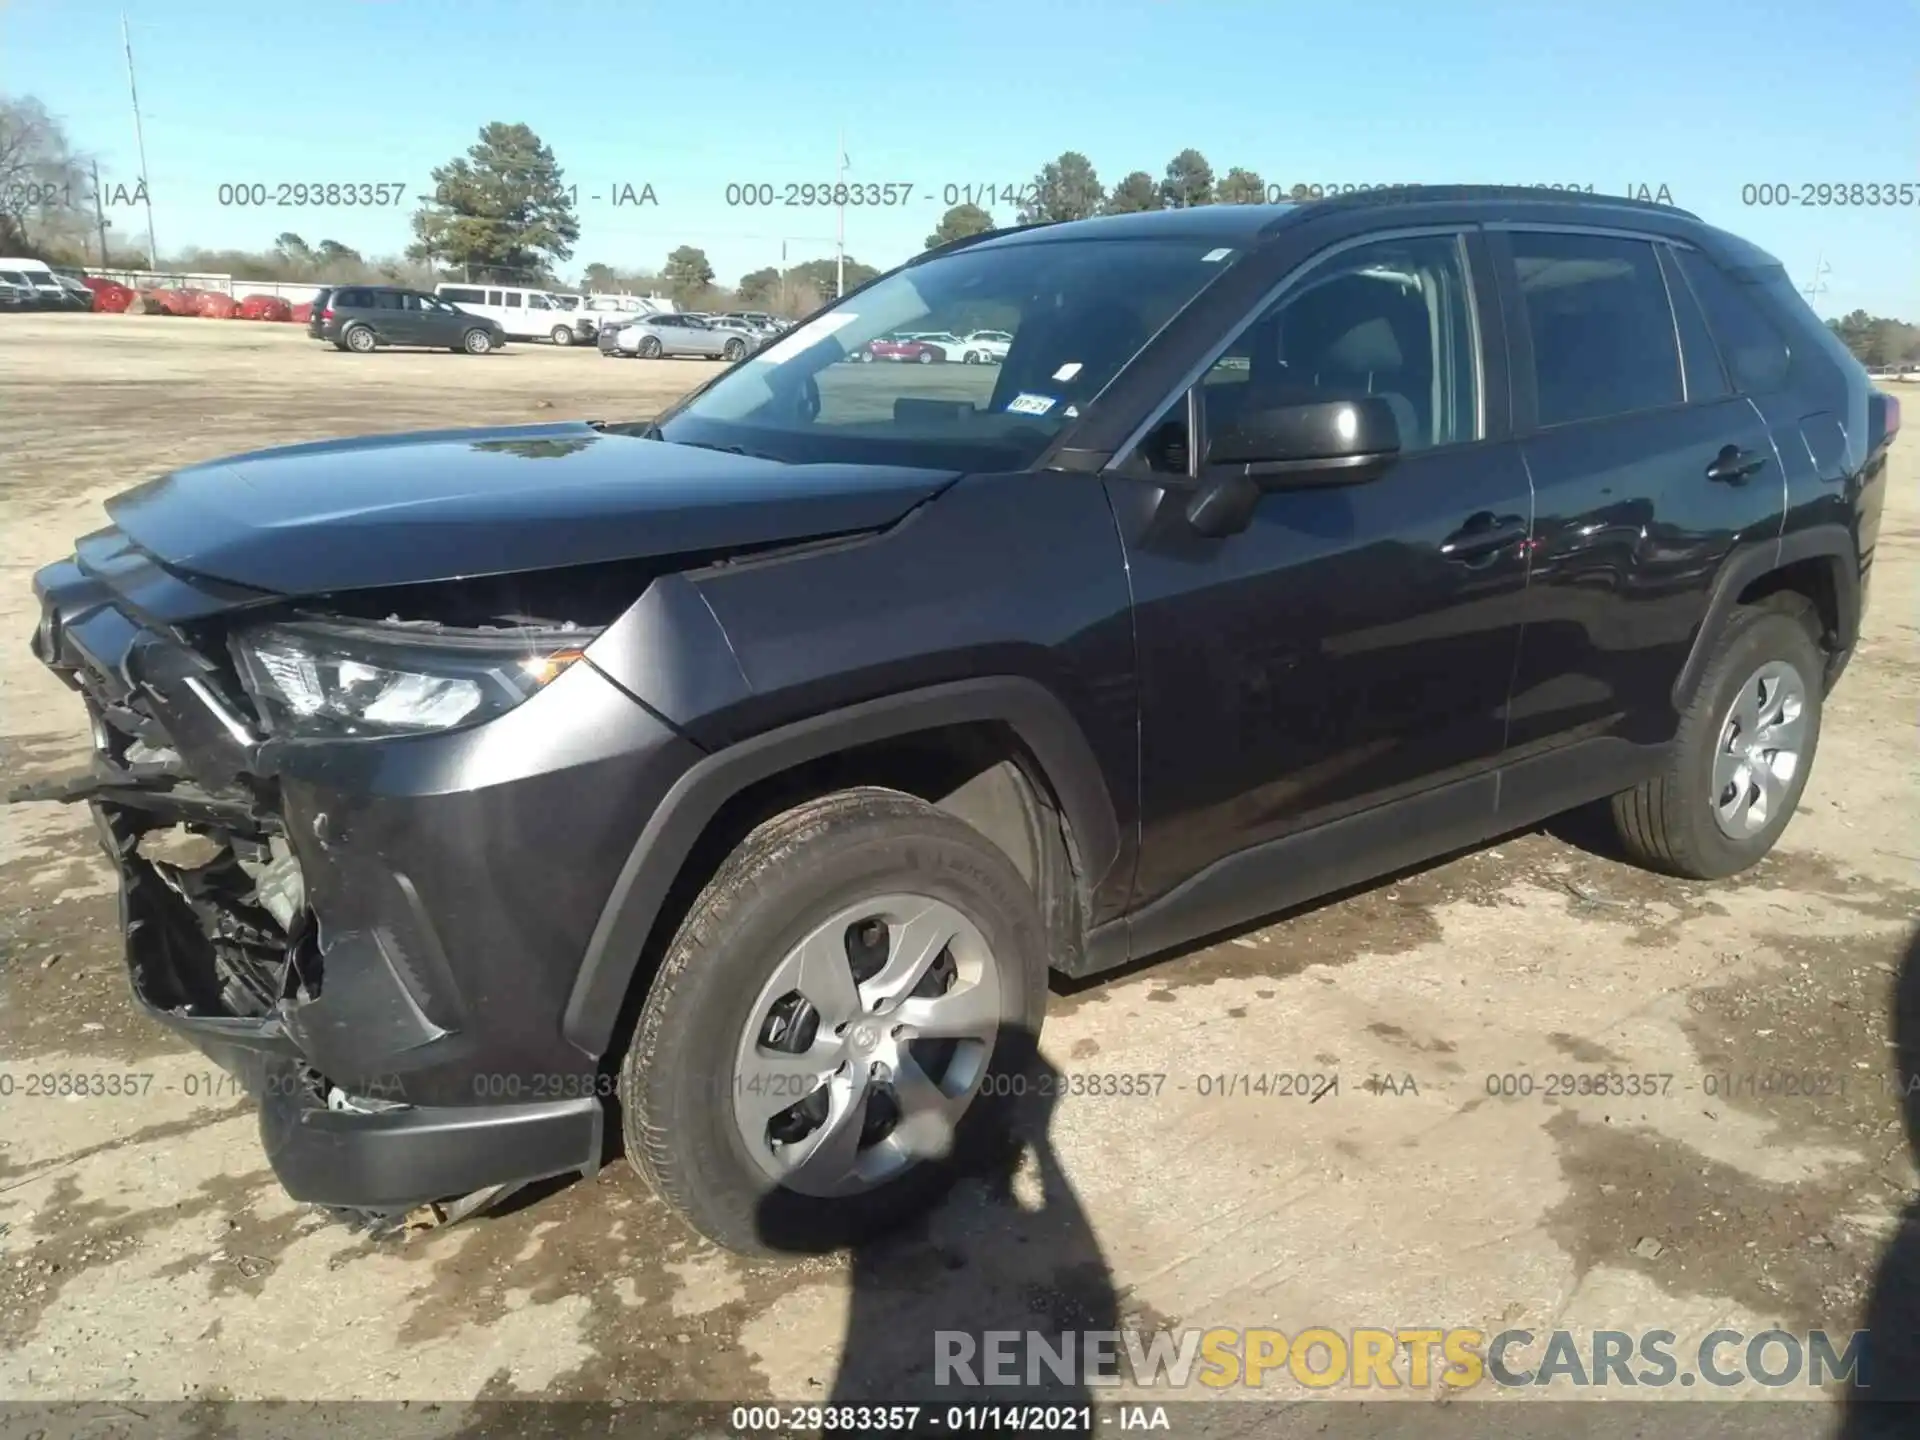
x=326 y=314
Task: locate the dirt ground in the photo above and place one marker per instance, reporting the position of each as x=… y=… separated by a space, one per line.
x=146 y=1253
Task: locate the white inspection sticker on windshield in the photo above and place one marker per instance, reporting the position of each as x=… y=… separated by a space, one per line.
x=1067 y=371
x=806 y=336
x=1025 y=404
x=1212 y=255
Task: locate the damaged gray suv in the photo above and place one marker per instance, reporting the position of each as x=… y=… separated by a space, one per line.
x=739 y=778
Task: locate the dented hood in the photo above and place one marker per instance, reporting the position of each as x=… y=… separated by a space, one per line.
x=439 y=505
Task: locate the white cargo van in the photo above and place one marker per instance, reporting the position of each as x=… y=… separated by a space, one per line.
x=523 y=314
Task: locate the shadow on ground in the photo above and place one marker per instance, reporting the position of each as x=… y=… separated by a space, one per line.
x=1013 y=1249
x=1884 y=1401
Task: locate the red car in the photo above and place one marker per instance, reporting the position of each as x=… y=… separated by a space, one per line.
x=917 y=349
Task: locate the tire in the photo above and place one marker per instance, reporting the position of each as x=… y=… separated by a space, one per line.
x=650 y=347
x=562 y=335
x=927 y=357
x=972 y=357
x=359 y=339
x=808 y=868
x=866 y=357
x=1674 y=821
x=476 y=341
x=733 y=350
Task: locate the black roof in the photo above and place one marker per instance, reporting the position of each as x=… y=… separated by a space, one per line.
x=1249 y=224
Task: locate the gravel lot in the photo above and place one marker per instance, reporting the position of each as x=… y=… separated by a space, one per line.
x=146 y=1253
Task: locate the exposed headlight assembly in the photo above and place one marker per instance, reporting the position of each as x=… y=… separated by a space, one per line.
x=333 y=679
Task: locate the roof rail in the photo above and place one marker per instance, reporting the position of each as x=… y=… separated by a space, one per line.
x=1540 y=194
x=949 y=246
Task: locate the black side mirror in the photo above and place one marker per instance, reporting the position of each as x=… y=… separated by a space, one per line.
x=1288 y=447
x=1318 y=442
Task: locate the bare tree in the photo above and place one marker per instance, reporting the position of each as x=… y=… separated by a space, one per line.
x=46 y=192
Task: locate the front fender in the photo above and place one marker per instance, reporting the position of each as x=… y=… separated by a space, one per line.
x=1043 y=724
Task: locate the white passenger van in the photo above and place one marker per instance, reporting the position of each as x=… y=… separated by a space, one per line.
x=39 y=277
x=523 y=314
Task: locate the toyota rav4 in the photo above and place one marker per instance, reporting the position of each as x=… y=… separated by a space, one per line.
x=743 y=775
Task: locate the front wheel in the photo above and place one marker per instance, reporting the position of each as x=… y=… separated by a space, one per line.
x=1741 y=757
x=476 y=341
x=837 y=1025
x=562 y=335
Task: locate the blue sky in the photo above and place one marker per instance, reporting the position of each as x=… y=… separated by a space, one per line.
x=1702 y=96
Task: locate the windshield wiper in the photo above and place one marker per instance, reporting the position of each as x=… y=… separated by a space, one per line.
x=726 y=449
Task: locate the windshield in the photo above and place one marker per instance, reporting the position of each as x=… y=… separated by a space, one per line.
x=1076 y=312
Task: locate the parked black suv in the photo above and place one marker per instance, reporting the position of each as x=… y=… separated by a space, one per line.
x=365 y=318
x=744 y=774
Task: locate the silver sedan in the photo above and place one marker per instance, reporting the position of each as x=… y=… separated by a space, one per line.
x=656 y=335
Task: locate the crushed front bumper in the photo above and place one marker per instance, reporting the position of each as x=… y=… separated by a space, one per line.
x=382 y=944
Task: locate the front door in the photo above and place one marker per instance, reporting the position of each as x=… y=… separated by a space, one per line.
x=1354 y=645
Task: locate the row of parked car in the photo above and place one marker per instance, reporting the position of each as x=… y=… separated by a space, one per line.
x=729 y=336
x=35 y=285
x=364 y=318
x=936 y=347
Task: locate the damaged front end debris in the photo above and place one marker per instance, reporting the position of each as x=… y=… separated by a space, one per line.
x=336 y=1010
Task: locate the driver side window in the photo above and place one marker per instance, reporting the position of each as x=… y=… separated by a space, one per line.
x=1391 y=319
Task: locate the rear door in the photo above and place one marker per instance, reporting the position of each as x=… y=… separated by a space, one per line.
x=392 y=322
x=1647 y=469
x=513 y=315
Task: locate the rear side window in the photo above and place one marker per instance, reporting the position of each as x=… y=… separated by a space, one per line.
x=389 y=300
x=465 y=296
x=493 y=297
x=1756 y=352
x=1602 y=330
x=1699 y=356
x=353 y=300
x=513 y=300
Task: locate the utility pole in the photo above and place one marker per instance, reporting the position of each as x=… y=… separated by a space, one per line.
x=840 y=240
x=140 y=142
x=99 y=215
x=1818 y=285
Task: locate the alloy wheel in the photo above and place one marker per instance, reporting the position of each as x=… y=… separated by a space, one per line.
x=866 y=1045
x=1759 y=752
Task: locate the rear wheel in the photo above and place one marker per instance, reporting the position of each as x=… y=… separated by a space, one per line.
x=650 y=347
x=733 y=350
x=476 y=341
x=830 y=1035
x=1742 y=754
x=359 y=339
x=927 y=357
x=562 y=335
